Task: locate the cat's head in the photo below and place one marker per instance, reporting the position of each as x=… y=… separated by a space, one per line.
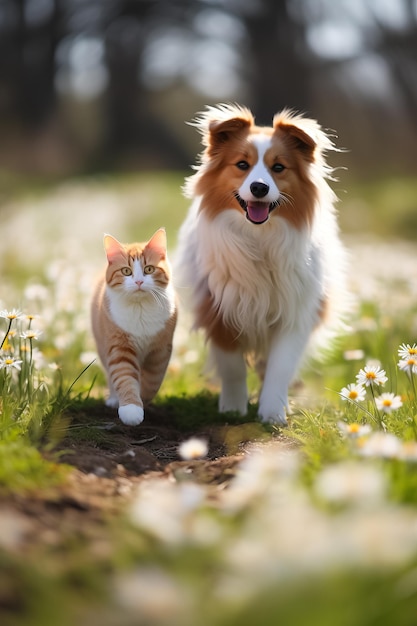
x=138 y=268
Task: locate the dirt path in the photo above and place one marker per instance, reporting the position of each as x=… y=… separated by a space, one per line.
x=109 y=460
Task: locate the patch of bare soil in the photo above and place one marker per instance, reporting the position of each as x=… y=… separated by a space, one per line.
x=109 y=460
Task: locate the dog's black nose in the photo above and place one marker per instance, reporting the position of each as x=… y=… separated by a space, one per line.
x=259 y=189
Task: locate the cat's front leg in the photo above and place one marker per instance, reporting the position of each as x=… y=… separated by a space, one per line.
x=130 y=414
x=124 y=383
x=113 y=399
x=153 y=371
x=231 y=368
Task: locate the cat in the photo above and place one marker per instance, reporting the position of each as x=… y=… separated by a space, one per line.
x=134 y=314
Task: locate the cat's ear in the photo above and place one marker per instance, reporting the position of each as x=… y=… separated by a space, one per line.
x=112 y=247
x=158 y=242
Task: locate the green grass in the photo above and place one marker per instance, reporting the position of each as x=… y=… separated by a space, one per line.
x=385 y=207
x=276 y=543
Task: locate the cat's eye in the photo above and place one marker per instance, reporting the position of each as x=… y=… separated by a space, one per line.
x=126 y=271
x=242 y=165
x=148 y=269
x=278 y=167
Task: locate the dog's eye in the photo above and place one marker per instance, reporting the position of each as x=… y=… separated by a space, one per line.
x=126 y=271
x=278 y=167
x=243 y=165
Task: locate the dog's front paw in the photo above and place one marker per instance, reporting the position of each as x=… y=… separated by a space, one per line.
x=234 y=398
x=271 y=415
x=131 y=414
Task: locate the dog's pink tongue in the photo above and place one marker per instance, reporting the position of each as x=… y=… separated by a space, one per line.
x=257 y=211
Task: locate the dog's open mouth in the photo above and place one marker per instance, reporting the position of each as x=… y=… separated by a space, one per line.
x=256 y=212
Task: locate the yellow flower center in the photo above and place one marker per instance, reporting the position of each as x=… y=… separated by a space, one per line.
x=387 y=402
x=354 y=428
x=353 y=394
x=370 y=375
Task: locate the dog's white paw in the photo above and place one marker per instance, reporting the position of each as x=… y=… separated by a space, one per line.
x=112 y=402
x=234 y=398
x=131 y=414
x=273 y=417
x=273 y=405
x=273 y=414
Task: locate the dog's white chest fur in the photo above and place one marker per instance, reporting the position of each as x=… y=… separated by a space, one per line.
x=260 y=277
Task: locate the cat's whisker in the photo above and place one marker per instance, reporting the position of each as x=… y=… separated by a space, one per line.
x=156 y=297
x=159 y=295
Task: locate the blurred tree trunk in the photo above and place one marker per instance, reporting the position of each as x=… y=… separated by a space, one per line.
x=133 y=127
x=400 y=53
x=32 y=78
x=280 y=74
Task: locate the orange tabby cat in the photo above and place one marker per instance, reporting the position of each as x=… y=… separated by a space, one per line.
x=133 y=318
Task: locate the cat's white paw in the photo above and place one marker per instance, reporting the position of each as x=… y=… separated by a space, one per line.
x=112 y=402
x=131 y=414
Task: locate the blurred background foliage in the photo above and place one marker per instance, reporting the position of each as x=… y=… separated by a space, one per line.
x=106 y=85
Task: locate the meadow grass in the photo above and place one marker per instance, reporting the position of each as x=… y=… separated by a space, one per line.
x=322 y=532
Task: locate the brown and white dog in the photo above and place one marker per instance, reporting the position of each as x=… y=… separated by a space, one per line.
x=260 y=248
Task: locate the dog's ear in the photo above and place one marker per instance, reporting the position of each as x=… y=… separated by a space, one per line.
x=221 y=131
x=217 y=124
x=300 y=139
x=304 y=141
x=302 y=132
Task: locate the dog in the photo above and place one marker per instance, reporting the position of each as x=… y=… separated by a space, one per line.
x=260 y=249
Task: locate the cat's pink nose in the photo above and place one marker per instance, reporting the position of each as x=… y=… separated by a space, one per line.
x=139 y=283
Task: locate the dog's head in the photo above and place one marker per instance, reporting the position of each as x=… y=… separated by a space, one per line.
x=259 y=171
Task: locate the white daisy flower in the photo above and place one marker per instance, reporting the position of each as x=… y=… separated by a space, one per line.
x=31 y=334
x=353 y=392
x=371 y=375
x=405 y=350
x=381 y=445
x=192 y=449
x=353 y=355
x=351 y=483
x=354 y=430
x=408 y=364
x=10 y=362
x=14 y=314
x=388 y=402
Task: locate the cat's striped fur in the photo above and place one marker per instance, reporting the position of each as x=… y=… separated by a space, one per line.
x=134 y=315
